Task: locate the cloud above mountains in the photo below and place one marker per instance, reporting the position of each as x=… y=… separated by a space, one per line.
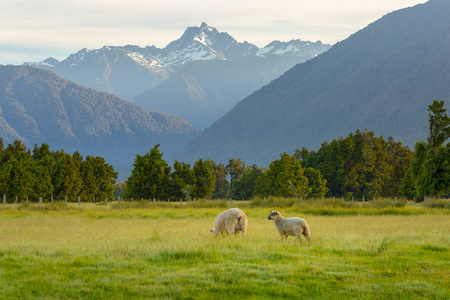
x=34 y=30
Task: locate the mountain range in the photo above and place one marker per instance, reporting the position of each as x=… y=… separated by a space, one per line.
x=381 y=78
x=198 y=77
x=37 y=106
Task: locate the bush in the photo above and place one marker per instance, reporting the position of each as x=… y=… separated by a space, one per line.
x=436 y=203
x=208 y=203
x=303 y=204
x=57 y=205
x=386 y=202
x=139 y=204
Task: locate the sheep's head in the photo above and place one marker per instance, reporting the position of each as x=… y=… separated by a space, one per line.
x=273 y=215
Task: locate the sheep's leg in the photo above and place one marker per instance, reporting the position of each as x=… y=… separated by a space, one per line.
x=231 y=230
x=299 y=237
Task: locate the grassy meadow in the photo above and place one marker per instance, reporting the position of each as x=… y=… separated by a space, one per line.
x=164 y=251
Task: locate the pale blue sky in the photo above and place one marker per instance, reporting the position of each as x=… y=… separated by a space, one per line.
x=33 y=30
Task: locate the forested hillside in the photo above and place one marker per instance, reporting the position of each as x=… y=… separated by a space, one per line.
x=37 y=106
x=360 y=166
x=381 y=78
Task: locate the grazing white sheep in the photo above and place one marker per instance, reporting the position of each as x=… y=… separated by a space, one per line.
x=290 y=226
x=230 y=221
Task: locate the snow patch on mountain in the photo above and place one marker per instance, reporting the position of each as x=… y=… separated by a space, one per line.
x=290 y=48
x=143 y=61
x=263 y=51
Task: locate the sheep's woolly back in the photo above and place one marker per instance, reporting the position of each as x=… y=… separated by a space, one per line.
x=230 y=221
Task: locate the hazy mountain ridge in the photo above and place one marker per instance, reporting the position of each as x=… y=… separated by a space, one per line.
x=203 y=91
x=381 y=78
x=131 y=70
x=37 y=106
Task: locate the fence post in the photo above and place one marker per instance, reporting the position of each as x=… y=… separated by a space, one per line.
x=4 y=198
x=65 y=199
x=79 y=201
x=364 y=200
x=230 y=201
x=17 y=200
x=40 y=200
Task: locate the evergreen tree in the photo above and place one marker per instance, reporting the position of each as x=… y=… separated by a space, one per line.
x=204 y=178
x=360 y=165
x=284 y=178
x=119 y=190
x=150 y=177
x=316 y=184
x=398 y=160
x=99 y=179
x=45 y=167
x=235 y=168
x=66 y=178
x=182 y=176
x=244 y=187
x=430 y=167
x=222 y=185
x=17 y=172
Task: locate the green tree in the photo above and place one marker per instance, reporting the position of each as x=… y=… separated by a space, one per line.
x=430 y=167
x=439 y=125
x=284 y=178
x=235 y=168
x=150 y=177
x=182 y=176
x=360 y=165
x=244 y=187
x=17 y=172
x=222 y=186
x=99 y=179
x=398 y=160
x=66 y=178
x=204 y=178
x=316 y=184
x=119 y=190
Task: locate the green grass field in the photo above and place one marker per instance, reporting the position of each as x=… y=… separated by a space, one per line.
x=116 y=252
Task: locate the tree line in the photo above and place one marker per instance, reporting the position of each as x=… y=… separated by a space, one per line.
x=46 y=174
x=359 y=165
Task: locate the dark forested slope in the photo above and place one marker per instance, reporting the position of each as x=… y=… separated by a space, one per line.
x=381 y=78
x=37 y=106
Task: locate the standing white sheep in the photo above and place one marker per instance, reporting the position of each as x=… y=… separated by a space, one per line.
x=290 y=226
x=230 y=221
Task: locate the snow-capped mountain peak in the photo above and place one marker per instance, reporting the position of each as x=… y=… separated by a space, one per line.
x=106 y=68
